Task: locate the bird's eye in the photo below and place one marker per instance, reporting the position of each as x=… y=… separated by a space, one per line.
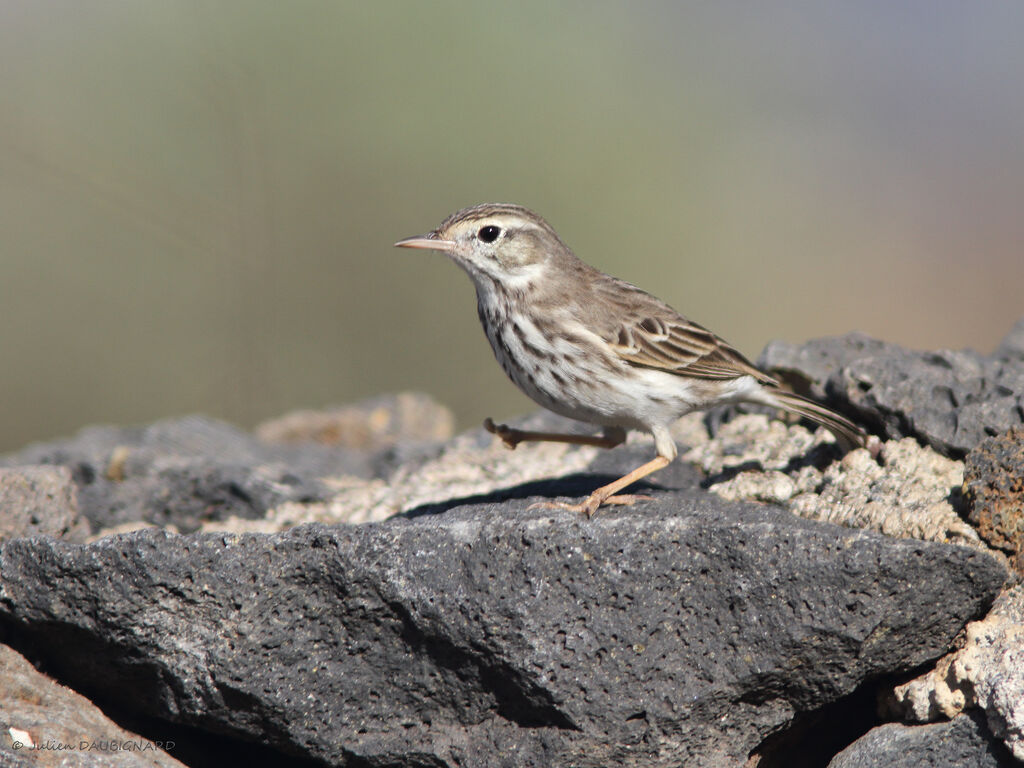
x=489 y=233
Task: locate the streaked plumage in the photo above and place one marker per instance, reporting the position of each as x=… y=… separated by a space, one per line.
x=593 y=347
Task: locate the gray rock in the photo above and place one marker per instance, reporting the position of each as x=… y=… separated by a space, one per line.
x=963 y=742
x=38 y=501
x=58 y=727
x=678 y=632
x=948 y=400
x=185 y=471
x=10 y=759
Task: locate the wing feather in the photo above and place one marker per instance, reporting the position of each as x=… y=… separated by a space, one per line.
x=683 y=348
x=646 y=332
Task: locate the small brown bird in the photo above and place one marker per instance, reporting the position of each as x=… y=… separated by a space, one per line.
x=594 y=348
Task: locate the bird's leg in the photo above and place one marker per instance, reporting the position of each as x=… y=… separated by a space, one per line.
x=608 y=494
x=512 y=437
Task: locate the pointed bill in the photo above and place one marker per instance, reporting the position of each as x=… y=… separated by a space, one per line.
x=429 y=241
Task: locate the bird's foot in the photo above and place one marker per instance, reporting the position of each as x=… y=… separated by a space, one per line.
x=590 y=504
x=509 y=436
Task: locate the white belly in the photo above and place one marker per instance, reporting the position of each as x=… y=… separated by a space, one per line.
x=577 y=381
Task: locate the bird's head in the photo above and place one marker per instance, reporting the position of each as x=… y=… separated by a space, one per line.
x=499 y=242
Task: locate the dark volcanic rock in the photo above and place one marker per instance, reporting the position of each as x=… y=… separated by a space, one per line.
x=994 y=487
x=185 y=471
x=963 y=742
x=948 y=400
x=678 y=632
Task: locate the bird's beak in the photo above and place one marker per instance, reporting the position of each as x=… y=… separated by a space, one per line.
x=429 y=241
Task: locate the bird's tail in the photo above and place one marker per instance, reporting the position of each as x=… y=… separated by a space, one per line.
x=847 y=433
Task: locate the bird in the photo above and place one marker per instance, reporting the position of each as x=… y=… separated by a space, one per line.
x=595 y=348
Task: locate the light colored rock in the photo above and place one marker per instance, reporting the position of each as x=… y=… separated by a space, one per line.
x=772 y=486
x=905 y=493
x=369 y=426
x=471 y=464
x=754 y=440
x=39 y=500
x=48 y=725
x=468 y=466
x=988 y=673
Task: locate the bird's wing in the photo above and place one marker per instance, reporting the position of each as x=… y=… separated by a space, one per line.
x=683 y=348
x=653 y=335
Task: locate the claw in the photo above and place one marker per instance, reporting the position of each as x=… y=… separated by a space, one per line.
x=510 y=437
x=591 y=504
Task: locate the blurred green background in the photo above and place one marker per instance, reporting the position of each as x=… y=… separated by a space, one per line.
x=198 y=200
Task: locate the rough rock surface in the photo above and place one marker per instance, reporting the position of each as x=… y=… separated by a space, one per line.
x=678 y=632
x=470 y=466
x=474 y=466
x=694 y=629
x=988 y=673
x=963 y=742
x=994 y=487
x=184 y=472
x=908 y=491
x=39 y=501
x=54 y=726
x=949 y=400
